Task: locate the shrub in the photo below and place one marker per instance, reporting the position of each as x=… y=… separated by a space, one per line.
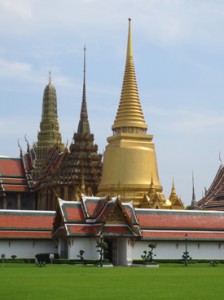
x=45 y=257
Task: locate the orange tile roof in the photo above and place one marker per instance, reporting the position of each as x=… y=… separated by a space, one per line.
x=181 y=235
x=11 y=167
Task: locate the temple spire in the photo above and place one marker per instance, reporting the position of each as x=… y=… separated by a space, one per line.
x=194 y=204
x=49 y=78
x=129 y=114
x=49 y=134
x=83 y=127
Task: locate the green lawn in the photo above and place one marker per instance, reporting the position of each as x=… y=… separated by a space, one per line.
x=67 y=282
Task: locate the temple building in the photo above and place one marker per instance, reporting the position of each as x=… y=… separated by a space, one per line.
x=214 y=196
x=129 y=164
x=73 y=171
x=49 y=169
x=78 y=201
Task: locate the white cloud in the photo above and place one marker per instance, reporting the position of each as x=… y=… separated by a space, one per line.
x=185 y=121
x=19 y=8
x=161 y=21
x=14 y=69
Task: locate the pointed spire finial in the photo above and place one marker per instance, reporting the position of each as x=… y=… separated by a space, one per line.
x=194 y=204
x=129 y=47
x=84 y=61
x=49 y=78
x=193 y=192
x=129 y=113
x=83 y=126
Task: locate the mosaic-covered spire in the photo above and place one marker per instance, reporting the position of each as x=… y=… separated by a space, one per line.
x=49 y=134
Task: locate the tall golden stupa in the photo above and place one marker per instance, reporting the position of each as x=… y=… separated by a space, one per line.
x=129 y=163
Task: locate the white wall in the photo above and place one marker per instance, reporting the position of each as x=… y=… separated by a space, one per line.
x=174 y=250
x=26 y=248
x=86 y=244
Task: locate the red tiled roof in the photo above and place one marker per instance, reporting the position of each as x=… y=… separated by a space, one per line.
x=15 y=188
x=11 y=167
x=180 y=220
x=81 y=229
x=181 y=235
x=26 y=220
x=26 y=234
x=93 y=205
x=14 y=180
x=117 y=230
x=73 y=213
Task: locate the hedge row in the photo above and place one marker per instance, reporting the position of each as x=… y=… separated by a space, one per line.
x=78 y=261
x=175 y=261
x=18 y=260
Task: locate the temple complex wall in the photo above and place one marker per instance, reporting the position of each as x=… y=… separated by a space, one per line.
x=175 y=249
x=26 y=248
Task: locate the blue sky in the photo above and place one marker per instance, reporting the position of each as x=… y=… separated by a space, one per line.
x=179 y=63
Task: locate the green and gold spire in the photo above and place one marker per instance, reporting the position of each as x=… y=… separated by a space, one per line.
x=49 y=134
x=129 y=115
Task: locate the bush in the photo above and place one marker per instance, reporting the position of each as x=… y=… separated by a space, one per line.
x=19 y=260
x=45 y=257
x=143 y=262
x=79 y=262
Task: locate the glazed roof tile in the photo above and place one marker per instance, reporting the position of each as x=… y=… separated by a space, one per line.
x=181 y=235
x=180 y=219
x=11 y=167
x=26 y=224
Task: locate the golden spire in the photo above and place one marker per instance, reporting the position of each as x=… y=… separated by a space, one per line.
x=129 y=114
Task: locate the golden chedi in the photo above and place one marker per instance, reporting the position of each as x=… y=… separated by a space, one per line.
x=129 y=161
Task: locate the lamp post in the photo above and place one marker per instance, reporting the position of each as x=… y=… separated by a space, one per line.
x=101 y=250
x=186 y=252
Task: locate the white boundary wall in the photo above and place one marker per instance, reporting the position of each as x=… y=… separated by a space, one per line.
x=175 y=249
x=86 y=244
x=26 y=248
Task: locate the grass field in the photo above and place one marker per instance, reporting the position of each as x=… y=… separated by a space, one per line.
x=24 y=281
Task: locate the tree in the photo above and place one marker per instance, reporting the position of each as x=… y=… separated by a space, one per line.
x=148 y=255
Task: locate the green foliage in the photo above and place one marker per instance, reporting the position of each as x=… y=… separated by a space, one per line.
x=81 y=253
x=148 y=255
x=45 y=257
x=19 y=260
x=78 y=261
x=142 y=262
x=186 y=257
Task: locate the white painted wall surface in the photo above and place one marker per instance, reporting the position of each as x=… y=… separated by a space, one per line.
x=26 y=248
x=174 y=250
x=86 y=244
x=122 y=247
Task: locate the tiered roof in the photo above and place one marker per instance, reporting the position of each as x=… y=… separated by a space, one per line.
x=95 y=216
x=81 y=165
